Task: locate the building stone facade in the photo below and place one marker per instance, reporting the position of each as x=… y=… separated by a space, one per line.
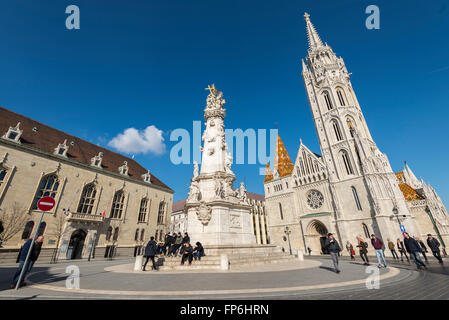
x=350 y=189
x=178 y=217
x=106 y=204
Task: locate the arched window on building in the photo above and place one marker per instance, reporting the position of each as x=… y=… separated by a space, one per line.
x=142 y=234
x=161 y=212
x=356 y=199
x=41 y=230
x=2 y=175
x=341 y=97
x=109 y=234
x=48 y=187
x=27 y=230
x=346 y=162
x=143 y=210
x=337 y=131
x=136 y=235
x=116 y=232
x=87 y=200
x=328 y=101
x=117 y=204
x=350 y=123
x=280 y=211
x=365 y=231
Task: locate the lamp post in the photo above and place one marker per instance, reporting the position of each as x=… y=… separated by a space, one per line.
x=287 y=232
x=436 y=229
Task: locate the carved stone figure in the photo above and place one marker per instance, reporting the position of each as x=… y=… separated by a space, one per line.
x=204 y=213
x=195 y=169
x=228 y=163
x=242 y=192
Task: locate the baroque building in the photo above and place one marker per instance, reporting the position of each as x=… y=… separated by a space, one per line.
x=178 y=217
x=106 y=204
x=350 y=189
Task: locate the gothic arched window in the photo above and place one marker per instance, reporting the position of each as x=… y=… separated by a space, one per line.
x=116 y=231
x=280 y=211
x=27 y=230
x=356 y=198
x=350 y=123
x=160 y=215
x=346 y=162
x=337 y=131
x=48 y=187
x=136 y=235
x=41 y=230
x=341 y=97
x=142 y=234
x=328 y=101
x=109 y=234
x=143 y=210
x=117 y=204
x=2 y=175
x=87 y=199
x=365 y=230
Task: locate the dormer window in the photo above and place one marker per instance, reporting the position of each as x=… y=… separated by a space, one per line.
x=61 y=149
x=13 y=133
x=96 y=161
x=124 y=169
x=147 y=177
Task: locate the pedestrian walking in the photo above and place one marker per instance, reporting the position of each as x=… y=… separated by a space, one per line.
x=350 y=250
x=392 y=249
x=402 y=250
x=423 y=247
x=34 y=255
x=150 y=253
x=378 y=246
x=434 y=246
x=363 y=250
x=414 y=249
x=309 y=250
x=334 y=249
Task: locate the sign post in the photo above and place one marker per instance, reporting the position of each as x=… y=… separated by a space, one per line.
x=44 y=204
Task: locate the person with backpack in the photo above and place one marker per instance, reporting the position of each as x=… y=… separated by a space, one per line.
x=363 y=250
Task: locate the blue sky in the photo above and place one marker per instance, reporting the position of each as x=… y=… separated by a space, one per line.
x=135 y=64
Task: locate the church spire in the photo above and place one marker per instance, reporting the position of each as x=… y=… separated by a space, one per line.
x=283 y=165
x=312 y=35
x=268 y=173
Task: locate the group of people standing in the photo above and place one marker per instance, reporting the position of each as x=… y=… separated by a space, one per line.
x=413 y=246
x=173 y=245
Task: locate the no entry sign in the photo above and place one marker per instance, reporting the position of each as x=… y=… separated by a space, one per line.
x=46 y=203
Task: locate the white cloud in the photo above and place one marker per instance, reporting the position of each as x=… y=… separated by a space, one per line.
x=143 y=141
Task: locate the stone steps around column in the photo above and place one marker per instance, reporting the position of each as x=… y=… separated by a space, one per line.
x=235 y=260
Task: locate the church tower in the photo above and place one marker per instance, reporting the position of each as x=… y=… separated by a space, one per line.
x=363 y=186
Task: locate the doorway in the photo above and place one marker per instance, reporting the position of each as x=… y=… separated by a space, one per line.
x=76 y=244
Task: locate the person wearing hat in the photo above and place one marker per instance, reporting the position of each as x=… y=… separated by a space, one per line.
x=434 y=246
x=334 y=249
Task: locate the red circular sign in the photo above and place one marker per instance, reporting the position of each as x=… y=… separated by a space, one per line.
x=46 y=203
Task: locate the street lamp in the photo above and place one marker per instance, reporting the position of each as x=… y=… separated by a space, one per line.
x=395 y=213
x=287 y=232
x=436 y=230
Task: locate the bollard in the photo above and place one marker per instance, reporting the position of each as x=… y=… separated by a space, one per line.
x=138 y=264
x=224 y=262
x=300 y=255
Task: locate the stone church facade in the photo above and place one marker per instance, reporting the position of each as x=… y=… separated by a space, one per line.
x=350 y=189
x=106 y=204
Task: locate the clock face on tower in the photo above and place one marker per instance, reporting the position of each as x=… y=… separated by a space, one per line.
x=315 y=199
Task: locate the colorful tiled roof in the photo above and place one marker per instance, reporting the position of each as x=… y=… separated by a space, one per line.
x=282 y=163
x=268 y=173
x=409 y=193
x=41 y=137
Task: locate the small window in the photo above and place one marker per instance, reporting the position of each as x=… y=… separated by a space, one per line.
x=117 y=204
x=280 y=211
x=366 y=230
x=109 y=234
x=327 y=99
x=27 y=230
x=337 y=131
x=116 y=231
x=61 y=149
x=161 y=213
x=340 y=95
x=143 y=210
x=142 y=234
x=136 y=236
x=356 y=199
x=41 y=230
x=347 y=162
x=2 y=175
x=47 y=188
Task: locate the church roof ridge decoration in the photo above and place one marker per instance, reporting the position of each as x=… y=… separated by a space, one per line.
x=44 y=138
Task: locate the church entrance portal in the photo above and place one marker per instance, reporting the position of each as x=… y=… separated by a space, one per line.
x=76 y=244
x=316 y=237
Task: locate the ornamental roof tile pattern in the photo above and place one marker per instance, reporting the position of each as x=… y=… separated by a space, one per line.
x=282 y=163
x=41 y=137
x=268 y=173
x=409 y=193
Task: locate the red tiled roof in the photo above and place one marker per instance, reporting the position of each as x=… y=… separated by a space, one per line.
x=255 y=196
x=178 y=205
x=46 y=139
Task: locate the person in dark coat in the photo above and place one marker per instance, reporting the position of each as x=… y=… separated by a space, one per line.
x=402 y=250
x=166 y=247
x=423 y=247
x=187 y=254
x=34 y=255
x=363 y=250
x=334 y=249
x=414 y=249
x=186 y=238
x=434 y=246
x=150 y=253
x=198 y=251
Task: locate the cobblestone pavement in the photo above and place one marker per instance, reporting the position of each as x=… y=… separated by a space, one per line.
x=403 y=282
